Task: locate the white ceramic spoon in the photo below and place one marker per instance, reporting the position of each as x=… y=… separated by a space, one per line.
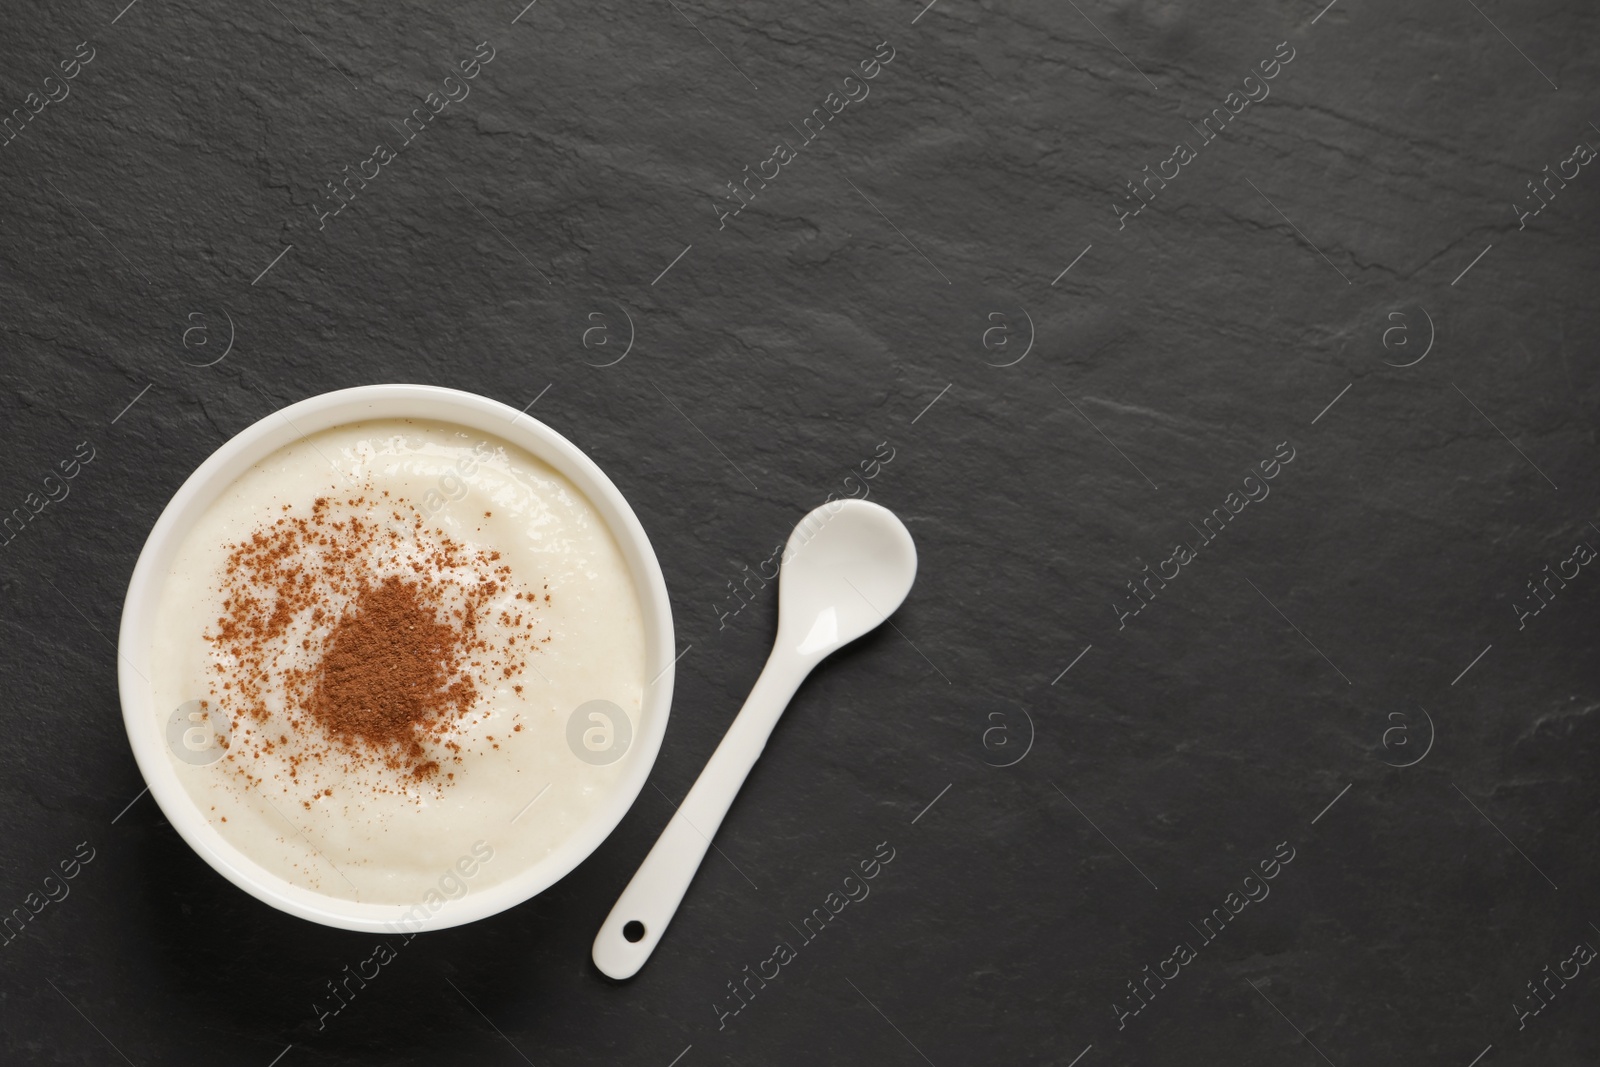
x=847 y=567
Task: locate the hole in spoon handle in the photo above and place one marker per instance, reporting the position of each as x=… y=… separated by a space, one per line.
x=627 y=939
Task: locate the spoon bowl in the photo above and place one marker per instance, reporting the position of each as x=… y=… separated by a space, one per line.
x=841 y=579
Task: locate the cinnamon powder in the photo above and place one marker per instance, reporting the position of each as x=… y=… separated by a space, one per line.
x=392 y=672
x=365 y=634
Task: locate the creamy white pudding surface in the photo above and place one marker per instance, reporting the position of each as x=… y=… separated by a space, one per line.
x=390 y=624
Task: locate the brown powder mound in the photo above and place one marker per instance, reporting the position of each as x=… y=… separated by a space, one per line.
x=356 y=637
x=392 y=672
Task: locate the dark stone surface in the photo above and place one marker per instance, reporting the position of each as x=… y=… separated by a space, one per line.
x=824 y=319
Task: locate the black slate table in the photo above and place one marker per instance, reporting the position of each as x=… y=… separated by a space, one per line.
x=1177 y=762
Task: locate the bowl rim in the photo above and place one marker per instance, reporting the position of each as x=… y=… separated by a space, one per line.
x=146 y=730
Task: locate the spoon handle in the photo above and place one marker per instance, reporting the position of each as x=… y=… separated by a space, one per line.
x=652 y=897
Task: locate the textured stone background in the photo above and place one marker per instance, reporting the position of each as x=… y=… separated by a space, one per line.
x=891 y=267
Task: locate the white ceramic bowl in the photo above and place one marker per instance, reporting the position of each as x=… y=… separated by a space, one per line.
x=146 y=724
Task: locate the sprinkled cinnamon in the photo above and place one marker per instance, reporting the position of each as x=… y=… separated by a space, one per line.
x=368 y=634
